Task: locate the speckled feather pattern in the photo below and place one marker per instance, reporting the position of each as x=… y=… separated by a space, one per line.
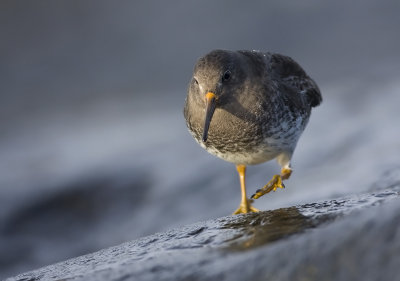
x=263 y=110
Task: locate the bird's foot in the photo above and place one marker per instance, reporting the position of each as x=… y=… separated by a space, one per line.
x=272 y=185
x=245 y=207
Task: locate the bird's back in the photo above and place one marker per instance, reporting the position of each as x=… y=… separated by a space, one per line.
x=288 y=75
x=292 y=76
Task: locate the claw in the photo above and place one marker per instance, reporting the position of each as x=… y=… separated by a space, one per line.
x=272 y=185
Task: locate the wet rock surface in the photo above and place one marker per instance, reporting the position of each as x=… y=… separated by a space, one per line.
x=352 y=238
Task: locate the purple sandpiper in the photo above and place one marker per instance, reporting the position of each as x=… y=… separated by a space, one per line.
x=249 y=107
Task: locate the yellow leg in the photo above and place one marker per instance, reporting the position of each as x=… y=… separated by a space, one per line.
x=273 y=184
x=245 y=204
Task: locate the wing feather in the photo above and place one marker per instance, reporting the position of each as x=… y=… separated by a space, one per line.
x=296 y=81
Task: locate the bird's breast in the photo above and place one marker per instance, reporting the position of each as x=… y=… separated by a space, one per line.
x=232 y=138
x=244 y=135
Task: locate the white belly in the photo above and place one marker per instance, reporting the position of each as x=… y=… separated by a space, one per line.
x=260 y=155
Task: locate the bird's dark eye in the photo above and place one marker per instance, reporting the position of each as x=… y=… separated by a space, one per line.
x=195 y=81
x=226 y=76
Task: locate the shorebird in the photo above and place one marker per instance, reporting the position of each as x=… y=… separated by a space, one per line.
x=249 y=107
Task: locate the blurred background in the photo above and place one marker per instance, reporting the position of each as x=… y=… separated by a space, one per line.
x=94 y=149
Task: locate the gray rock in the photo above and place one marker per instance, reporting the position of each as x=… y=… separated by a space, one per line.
x=352 y=238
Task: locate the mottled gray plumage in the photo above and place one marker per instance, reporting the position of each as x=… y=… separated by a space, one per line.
x=261 y=109
x=248 y=107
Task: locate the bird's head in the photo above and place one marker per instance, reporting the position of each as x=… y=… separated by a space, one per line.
x=215 y=77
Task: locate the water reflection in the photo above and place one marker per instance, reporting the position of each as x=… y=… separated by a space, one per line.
x=258 y=229
x=261 y=228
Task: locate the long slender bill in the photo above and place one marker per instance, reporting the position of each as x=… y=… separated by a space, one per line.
x=210 y=108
